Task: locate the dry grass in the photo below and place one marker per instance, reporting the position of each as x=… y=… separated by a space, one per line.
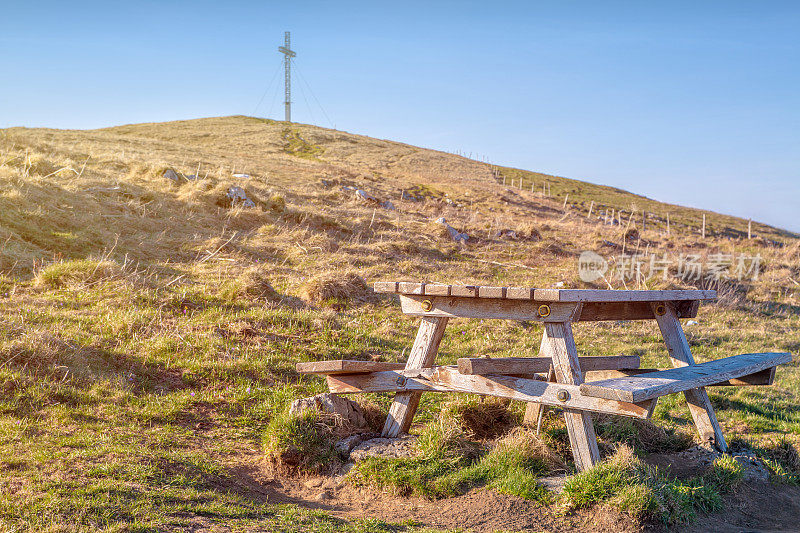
x=146 y=323
x=335 y=289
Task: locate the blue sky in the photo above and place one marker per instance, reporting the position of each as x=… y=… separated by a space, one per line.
x=694 y=103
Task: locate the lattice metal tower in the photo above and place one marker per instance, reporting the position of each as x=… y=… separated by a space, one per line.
x=288 y=54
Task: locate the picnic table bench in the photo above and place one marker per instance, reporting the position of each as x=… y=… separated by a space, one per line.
x=612 y=384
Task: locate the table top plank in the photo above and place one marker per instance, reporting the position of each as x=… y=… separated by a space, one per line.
x=542 y=295
x=606 y=295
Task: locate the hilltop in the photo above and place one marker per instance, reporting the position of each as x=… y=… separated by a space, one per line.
x=150 y=323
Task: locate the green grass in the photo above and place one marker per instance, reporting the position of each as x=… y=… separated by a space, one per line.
x=295 y=145
x=446 y=464
x=627 y=484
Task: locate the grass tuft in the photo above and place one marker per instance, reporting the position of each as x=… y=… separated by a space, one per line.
x=77 y=273
x=630 y=486
x=335 y=290
x=301 y=443
x=481 y=418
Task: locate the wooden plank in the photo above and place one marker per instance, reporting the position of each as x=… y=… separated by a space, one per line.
x=422 y=355
x=407 y=287
x=705 y=420
x=530 y=365
x=491 y=292
x=385 y=286
x=559 y=344
x=679 y=379
x=596 y=311
x=549 y=295
x=472 y=307
x=448 y=379
x=345 y=366
x=534 y=412
x=437 y=289
x=464 y=291
x=763 y=378
x=485 y=308
x=519 y=293
x=604 y=295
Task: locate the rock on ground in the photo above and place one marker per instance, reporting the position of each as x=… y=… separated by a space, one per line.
x=237 y=196
x=171 y=175
x=383 y=447
x=350 y=411
x=456 y=235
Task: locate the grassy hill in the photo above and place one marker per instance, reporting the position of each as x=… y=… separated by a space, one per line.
x=149 y=327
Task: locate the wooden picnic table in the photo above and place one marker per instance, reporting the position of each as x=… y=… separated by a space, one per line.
x=613 y=384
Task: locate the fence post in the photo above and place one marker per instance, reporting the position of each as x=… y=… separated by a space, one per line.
x=704 y=225
x=749 y=228
x=565 y=202
x=591 y=205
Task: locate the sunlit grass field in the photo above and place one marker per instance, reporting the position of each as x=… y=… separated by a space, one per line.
x=148 y=333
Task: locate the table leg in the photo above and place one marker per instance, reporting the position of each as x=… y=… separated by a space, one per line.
x=559 y=344
x=699 y=405
x=422 y=355
x=534 y=411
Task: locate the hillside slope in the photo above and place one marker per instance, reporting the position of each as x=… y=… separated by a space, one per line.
x=150 y=327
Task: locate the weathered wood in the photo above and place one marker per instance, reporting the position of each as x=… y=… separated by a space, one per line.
x=559 y=344
x=597 y=311
x=679 y=379
x=534 y=412
x=437 y=289
x=422 y=355
x=464 y=291
x=345 y=366
x=407 y=287
x=544 y=295
x=491 y=292
x=530 y=365
x=519 y=293
x=764 y=377
x=453 y=306
x=385 y=286
x=604 y=295
x=699 y=405
x=519 y=309
x=448 y=379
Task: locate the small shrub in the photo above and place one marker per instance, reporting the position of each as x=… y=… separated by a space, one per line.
x=78 y=272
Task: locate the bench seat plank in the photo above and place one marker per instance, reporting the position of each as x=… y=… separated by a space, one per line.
x=528 y=365
x=346 y=366
x=654 y=384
